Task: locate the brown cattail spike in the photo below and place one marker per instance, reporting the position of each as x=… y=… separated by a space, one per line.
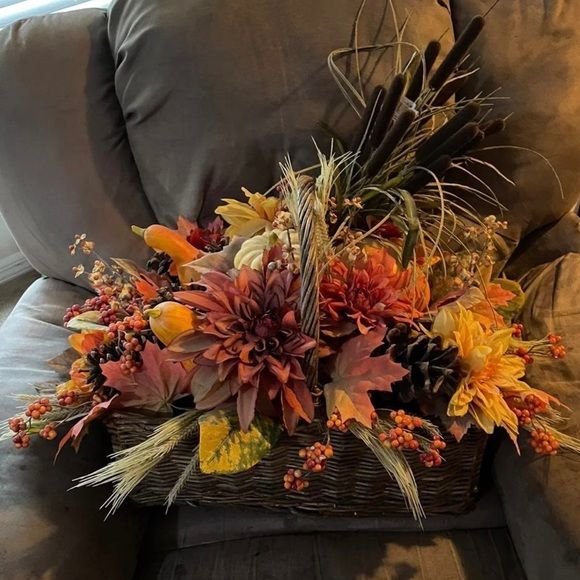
x=390 y=141
x=458 y=141
x=421 y=178
x=367 y=119
x=388 y=109
x=426 y=151
x=492 y=127
x=457 y=52
x=449 y=89
x=422 y=72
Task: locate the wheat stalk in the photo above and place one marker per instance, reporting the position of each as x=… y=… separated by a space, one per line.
x=133 y=464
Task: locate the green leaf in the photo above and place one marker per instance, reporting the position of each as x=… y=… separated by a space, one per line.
x=515 y=305
x=225 y=448
x=86 y=321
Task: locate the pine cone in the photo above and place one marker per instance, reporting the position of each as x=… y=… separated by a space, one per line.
x=433 y=369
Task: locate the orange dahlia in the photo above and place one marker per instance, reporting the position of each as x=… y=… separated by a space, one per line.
x=248 y=345
x=371 y=292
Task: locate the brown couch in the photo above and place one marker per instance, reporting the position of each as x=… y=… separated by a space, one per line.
x=160 y=108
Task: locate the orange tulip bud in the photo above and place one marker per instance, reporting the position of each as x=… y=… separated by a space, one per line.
x=170 y=319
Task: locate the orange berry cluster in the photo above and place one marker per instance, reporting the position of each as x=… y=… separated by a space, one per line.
x=335 y=422
x=527 y=409
x=398 y=438
x=48 y=432
x=21 y=440
x=37 y=409
x=518 y=330
x=133 y=323
x=557 y=350
x=524 y=353
x=432 y=458
x=293 y=480
x=544 y=442
x=68 y=398
x=16 y=424
x=316 y=456
x=401 y=437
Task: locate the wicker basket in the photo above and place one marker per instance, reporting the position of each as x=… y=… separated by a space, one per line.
x=353 y=483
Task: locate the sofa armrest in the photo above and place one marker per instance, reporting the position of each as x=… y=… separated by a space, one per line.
x=541 y=496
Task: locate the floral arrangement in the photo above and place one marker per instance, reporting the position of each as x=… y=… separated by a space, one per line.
x=361 y=293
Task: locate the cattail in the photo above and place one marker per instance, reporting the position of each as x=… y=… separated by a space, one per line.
x=457 y=52
x=448 y=90
x=421 y=178
x=427 y=150
x=416 y=85
x=388 y=109
x=458 y=141
x=479 y=137
x=367 y=120
x=492 y=127
x=390 y=141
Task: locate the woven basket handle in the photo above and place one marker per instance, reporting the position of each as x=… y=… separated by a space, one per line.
x=310 y=277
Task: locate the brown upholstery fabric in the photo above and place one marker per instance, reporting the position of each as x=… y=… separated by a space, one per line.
x=455 y=555
x=216 y=92
x=65 y=164
x=542 y=497
x=530 y=49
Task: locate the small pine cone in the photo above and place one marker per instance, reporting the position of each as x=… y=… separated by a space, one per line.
x=433 y=369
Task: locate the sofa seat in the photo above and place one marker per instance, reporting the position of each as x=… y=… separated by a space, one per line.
x=47 y=531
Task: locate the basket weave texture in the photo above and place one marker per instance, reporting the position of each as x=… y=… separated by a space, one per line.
x=354 y=482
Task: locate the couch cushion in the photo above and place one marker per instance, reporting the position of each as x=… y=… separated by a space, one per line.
x=66 y=166
x=541 y=497
x=530 y=50
x=48 y=532
x=216 y=92
x=456 y=555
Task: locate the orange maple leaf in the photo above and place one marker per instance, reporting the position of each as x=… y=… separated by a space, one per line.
x=355 y=372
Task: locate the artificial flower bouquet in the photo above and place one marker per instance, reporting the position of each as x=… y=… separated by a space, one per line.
x=348 y=328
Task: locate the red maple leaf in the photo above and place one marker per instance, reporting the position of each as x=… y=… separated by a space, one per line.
x=355 y=372
x=155 y=386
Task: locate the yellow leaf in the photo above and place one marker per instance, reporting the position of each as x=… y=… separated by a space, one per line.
x=225 y=448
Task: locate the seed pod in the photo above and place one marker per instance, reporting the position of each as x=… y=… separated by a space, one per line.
x=457 y=52
x=421 y=178
x=416 y=84
x=367 y=119
x=388 y=109
x=427 y=150
x=390 y=141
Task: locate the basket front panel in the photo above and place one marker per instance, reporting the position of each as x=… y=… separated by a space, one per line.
x=354 y=482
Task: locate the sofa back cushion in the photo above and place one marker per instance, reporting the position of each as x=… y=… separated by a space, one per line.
x=530 y=50
x=65 y=163
x=216 y=92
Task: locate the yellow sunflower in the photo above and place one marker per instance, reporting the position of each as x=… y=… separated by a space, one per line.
x=248 y=219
